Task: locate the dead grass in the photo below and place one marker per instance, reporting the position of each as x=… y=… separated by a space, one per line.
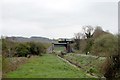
x=11 y=64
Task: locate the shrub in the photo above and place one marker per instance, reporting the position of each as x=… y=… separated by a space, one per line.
x=37 y=48
x=91 y=70
x=88 y=46
x=105 y=44
x=8 y=47
x=108 y=44
x=23 y=49
x=111 y=68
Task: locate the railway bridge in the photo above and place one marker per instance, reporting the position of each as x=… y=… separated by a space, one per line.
x=64 y=42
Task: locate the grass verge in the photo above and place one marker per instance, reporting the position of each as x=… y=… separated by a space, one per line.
x=47 y=66
x=91 y=64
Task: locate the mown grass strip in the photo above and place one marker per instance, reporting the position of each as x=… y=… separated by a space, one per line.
x=47 y=66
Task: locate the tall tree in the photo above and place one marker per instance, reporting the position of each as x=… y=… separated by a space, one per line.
x=88 y=32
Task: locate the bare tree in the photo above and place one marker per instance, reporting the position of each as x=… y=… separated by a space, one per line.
x=88 y=31
x=77 y=37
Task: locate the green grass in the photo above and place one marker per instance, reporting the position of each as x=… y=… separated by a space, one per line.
x=89 y=63
x=59 y=48
x=47 y=66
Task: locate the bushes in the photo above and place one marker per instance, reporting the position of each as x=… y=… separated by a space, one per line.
x=10 y=48
x=108 y=44
x=105 y=44
x=85 y=45
x=23 y=50
x=37 y=48
x=89 y=43
x=30 y=48
x=111 y=68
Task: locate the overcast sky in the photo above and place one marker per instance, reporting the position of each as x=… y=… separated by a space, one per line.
x=56 y=18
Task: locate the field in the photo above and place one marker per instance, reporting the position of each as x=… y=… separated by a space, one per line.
x=46 y=66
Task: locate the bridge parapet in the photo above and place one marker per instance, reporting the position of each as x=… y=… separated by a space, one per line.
x=66 y=43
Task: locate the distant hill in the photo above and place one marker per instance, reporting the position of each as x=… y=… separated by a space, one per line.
x=33 y=39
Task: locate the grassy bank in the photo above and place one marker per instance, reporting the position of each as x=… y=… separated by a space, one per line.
x=47 y=66
x=91 y=64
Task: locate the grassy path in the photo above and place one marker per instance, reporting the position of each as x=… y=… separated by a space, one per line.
x=47 y=66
